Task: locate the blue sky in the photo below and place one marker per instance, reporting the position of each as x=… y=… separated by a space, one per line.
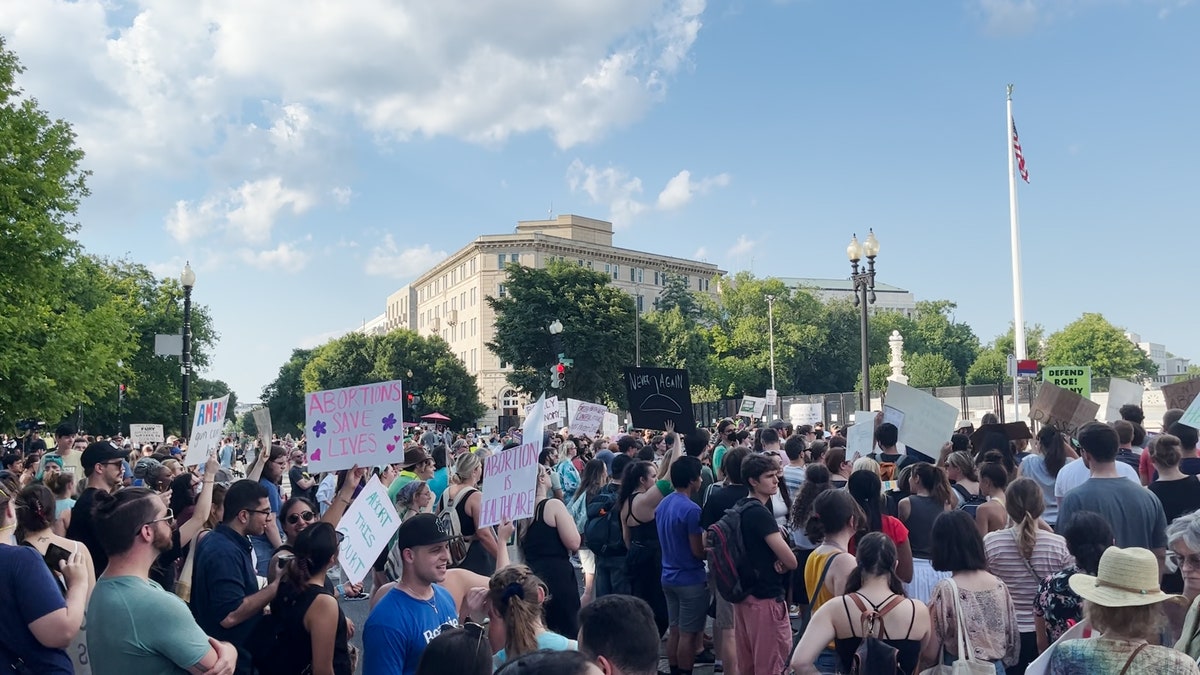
x=310 y=159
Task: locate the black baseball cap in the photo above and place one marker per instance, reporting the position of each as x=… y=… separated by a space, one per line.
x=100 y=451
x=422 y=529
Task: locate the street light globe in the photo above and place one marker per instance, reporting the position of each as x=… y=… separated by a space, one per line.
x=187 y=277
x=871 y=245
x=854 y=251
x=556 y=327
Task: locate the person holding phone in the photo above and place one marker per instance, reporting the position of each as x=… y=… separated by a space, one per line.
x=35 y=522
x=39 y=623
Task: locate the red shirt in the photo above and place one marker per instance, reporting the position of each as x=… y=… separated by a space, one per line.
x=893 y=528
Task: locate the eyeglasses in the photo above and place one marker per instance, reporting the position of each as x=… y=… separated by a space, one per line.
x=266 y=512
x=170 y=516
x=306 y=516
x=1192 y=561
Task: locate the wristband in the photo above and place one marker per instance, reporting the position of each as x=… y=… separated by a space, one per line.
x=341 y=590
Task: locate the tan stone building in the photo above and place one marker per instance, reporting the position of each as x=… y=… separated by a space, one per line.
x=448 y=300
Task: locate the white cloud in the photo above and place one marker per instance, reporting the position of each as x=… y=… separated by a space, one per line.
x=619 y=191
x=342 y=195
x=700 y=254
x=1014 y=17
x=283 y=258
x=743 y=246
x=680 y=189
x=388 y=260
x=247 y=212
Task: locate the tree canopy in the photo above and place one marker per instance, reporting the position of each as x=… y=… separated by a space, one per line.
x=1092 y=341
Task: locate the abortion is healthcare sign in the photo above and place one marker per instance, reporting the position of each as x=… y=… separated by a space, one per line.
x=354 y=426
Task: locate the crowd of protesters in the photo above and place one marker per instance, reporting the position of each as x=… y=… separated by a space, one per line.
x=1061 y=553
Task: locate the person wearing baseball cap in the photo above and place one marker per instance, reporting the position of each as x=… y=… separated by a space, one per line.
x=416 y=609
x=1123 y=602
x=417 y=465
x=103 y=464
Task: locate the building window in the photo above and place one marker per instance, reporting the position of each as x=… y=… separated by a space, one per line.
x=607 y=268
x=581 y=262
x=472 y=266
x=474 y=356
x=639 y=303
x=503 y=364
x=500 y=261
x=472 y=296
x=656 y=278
x=472 y=327
x=509 y=399
x=616 y=272
x=641 y=274
x=502 y=292
x=589 y=264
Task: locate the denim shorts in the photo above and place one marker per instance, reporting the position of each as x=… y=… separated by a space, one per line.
x=687 y=607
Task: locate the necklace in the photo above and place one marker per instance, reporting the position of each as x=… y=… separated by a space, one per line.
x=431 y=601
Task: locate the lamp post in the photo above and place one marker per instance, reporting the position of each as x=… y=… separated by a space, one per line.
x=557 y=370
x=771 y=338
x=637 y=325
x=864 y=294
x=188 y=279
x=120 y=393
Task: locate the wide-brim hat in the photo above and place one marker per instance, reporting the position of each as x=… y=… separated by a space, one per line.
x=414 y=456
x=1127 y=577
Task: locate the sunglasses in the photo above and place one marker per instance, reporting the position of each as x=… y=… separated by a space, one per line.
x=306 y=516
x=471 y=627
x=170 y=516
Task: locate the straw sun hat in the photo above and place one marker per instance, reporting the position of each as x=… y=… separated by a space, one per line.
x=1128 y=577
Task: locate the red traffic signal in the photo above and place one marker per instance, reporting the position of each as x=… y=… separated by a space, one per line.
x=410 y=398
x=560 y=368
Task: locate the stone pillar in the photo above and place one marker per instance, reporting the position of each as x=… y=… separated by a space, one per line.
x=896 y=343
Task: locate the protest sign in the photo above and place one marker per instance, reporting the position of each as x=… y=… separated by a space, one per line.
x=510 y=478
x=1191 y=416
x=772 y=397
x=1065 y=410
x=141 y=434
x=354 y=426
x=262 y=421
x=1181 y=394
x=805 y=413
x=610 y=425
x=658 y=395
x=587 y=417
x=860 y=438
x=926 y=423
x=551 y=415
x=368 y=524
x=207 y=424
x=752 y=407
x=1121 y=392
x=1072 y=378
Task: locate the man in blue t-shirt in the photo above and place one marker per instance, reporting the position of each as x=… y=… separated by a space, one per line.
x=678 y=521
x=415 y=610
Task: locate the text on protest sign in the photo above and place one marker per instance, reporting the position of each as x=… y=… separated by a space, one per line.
x=510 y=478
x=927 y=422
x=354 y=426
x=587 y=418
x=1181 y=394
x=805 y=413
x=611 y=425
x=860 y=438
x=1072 y=378
x=262 y=420
x=752 y=406
x=207 y=424
x=551 y=414
x=659 y=395
x=1063 y=409
x=141 y=434
x=368 y=524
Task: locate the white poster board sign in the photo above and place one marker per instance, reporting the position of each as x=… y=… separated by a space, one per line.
x=141 y=434
x=860 y=437
x=587 y=417
x=551 y=415
x=510 y=478
x=1121 y=392
x=805 y=413
x=368 y=524
x=207 y=424
x=352 y=426
x=752 y=406
x=1191 y=416
x=772 y=397
x=927 y=422
x=262 y=421
x=611 y=425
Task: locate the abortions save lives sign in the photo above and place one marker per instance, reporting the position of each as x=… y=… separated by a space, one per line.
x=510 y=478
x=368 y=524
x=207 y=425
x=360 y=425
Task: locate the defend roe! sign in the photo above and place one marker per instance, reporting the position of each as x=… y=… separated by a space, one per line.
x=354 y=426
x=1072 y=378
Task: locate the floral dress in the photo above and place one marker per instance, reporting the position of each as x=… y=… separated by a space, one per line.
x=1057 y=604
x=990 y=619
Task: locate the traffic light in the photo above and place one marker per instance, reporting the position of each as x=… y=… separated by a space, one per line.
x=558 y=375
x=121 y=393
x=410 y=399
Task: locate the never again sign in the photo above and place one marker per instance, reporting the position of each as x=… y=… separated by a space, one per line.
x=354 y=426
x=659 y=395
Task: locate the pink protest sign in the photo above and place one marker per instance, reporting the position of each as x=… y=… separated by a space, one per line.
x=351 y=426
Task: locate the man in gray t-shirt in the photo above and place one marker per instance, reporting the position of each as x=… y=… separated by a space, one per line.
x=1135 y=514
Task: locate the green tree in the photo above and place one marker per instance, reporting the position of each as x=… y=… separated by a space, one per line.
x=930 y=370
x=1092 y=341
x=598 y=330
x=677 y=295
x=990 y=367
x=203 y=390
x=1035 y=342
x=284 y=396
x=670 y=339
x=1193 y=370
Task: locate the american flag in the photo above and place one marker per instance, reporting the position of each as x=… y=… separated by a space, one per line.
x=1020 y=157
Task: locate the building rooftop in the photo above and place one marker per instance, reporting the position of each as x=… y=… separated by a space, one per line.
x=836 y=285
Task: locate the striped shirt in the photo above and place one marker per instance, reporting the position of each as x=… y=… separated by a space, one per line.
x=1004 y=560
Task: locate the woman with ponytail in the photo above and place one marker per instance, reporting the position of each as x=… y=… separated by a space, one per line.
x=1043 y=467
x=873 y=584
x=1022 y=555
x=832 y=524
x=930 y=498
x=867 y=490
x=312 y=627
x=515 y=598
x=35 y=520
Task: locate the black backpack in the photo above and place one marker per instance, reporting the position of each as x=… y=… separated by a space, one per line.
x=874 y=656
x=967 y=501
x=602 y=531
x=729 y=566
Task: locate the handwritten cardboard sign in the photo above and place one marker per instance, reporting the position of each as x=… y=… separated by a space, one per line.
x=551 y=414
x=141 y=434
x=752 y=407
x=927 y=422
x=860 y=438
x=510 y=478
x=611 y=425
x=659 y=395
x=368 y=524
x=806 y=413
x=207 y=424
x=1121 y=392
x=1181 y=394
x=262 y=420
x=354 y=426
x=1072 y=378
x=585 y=418
x=1063 y=409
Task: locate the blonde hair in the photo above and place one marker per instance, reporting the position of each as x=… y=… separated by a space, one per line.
x=1024 y=502
x=1145 y=622
x=961 y=460
x=513 y=594
x=866 y=464
x=465 y=467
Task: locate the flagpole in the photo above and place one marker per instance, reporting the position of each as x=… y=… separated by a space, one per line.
x=1018 y=309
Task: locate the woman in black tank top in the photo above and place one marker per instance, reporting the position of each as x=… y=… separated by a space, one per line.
x=302 y=594
x=547 y=544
